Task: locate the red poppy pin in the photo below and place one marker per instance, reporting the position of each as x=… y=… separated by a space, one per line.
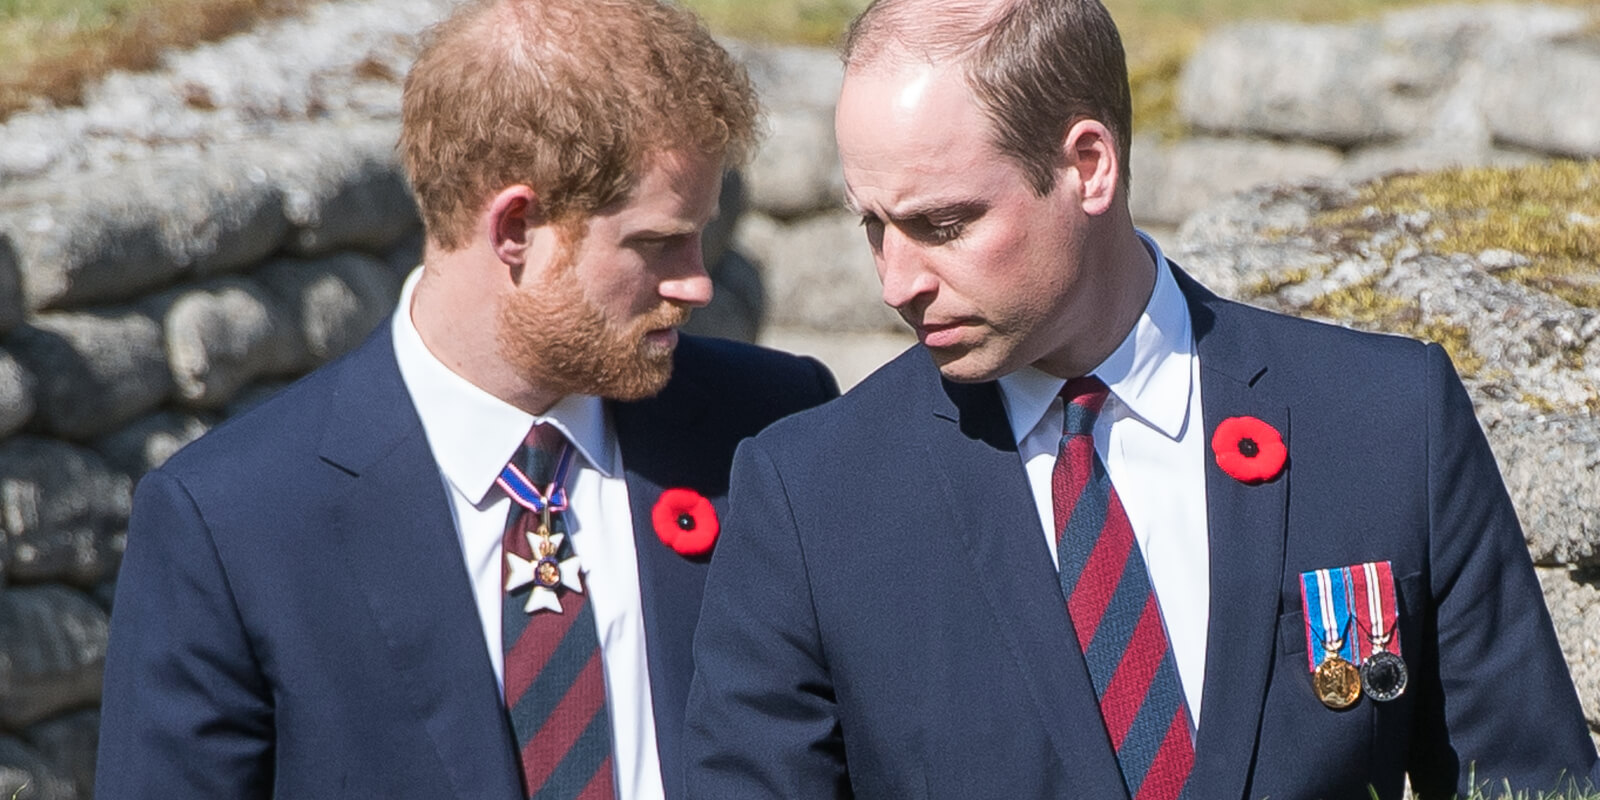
x=685 y=522
x=1249 y=450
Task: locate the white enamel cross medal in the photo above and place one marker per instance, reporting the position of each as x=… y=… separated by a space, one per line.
x=546 y=570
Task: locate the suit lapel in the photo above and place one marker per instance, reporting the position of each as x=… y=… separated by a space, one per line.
x=664 y=447
x=1246 y=526
x=973 y=448
x=393 y=527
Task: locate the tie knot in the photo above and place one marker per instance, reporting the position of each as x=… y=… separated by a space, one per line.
x=539 y=452
x=1083 y=398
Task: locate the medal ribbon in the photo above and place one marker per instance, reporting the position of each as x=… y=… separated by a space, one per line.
x=522 y=491
x=1372 y=584
x=1325 y=598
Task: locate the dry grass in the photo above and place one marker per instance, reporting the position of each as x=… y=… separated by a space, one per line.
x=50 y=48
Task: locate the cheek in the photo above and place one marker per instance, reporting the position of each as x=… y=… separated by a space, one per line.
x=620 y=282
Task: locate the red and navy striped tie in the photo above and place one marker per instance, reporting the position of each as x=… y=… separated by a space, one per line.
x=1114 y=611
x=554 y=679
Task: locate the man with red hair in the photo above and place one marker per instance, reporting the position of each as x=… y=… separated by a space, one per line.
x=466 y=560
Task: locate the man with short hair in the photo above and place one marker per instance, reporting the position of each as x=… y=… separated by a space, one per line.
x=466 y=560
x=1101 y=533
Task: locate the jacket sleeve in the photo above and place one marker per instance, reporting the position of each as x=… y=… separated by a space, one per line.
x=762 y=718
x=1505 y=708
x=186 y=711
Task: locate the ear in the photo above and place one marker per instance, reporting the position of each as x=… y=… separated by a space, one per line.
x=509 y=223
x=1093 y=161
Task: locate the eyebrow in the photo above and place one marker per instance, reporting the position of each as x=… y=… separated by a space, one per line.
x=932 y=209
x=651 y=231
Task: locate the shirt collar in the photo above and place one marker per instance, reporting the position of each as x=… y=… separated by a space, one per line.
x=473 y=433
x=1149 y=372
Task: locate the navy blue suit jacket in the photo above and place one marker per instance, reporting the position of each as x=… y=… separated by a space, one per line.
x=293 y=617
x=883 y=618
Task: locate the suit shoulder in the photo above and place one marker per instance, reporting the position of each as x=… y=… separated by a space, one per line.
x=278 y=423
x=754 y=373
x=869 y=410
x=279 y=433
x=1317 y=351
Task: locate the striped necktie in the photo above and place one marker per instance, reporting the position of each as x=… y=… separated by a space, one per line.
x=1114 y=611
x=554 y=679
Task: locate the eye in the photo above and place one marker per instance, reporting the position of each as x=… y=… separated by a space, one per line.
x=947 y=232
x=927 y=230
x=874 y=228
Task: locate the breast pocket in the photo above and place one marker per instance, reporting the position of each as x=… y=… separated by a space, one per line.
x=1364 y=744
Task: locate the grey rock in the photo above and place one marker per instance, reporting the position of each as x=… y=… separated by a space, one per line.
x=68 y=743
x=80 y=241
x=737 y=305
x=64 y=512
x=343 y=189
x=95 y=370
x=231 y=216
x=54 y=653
x=149 y=442
x=1222 y=246
x=111 y=234
x=223 y=334
x=789 y=77
x=335 y=302
x=1305 y=82
x=1427 y=155
x=1534 y=374
x=1552 y=469
x=11 y=305
x=16 y=394
x=37 y=140
x=817 y=273
x=1547 y=99
x=1173 y=180
x=25 y=773
x=796 y=170
x=1574 y=600
x=1507 y=24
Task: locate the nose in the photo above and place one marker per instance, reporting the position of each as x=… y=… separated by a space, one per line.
x=903 y=270
x=688 y=283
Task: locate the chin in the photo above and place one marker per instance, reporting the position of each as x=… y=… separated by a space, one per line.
x=966 y=366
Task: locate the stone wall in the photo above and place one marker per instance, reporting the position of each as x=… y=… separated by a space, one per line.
x=194 y=237
x=1422 y=88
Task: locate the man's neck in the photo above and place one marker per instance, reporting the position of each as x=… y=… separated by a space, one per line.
x=457 y=320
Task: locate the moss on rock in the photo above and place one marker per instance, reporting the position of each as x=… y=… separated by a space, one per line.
x=1538 y=225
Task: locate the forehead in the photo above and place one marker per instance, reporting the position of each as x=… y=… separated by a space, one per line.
x=913 y=128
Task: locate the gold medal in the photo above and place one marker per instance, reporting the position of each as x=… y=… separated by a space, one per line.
x=1337 y=682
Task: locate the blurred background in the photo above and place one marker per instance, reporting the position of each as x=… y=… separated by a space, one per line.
x=199 y=202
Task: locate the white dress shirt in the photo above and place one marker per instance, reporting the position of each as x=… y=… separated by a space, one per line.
x=1151 y=436
x=472 y=435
